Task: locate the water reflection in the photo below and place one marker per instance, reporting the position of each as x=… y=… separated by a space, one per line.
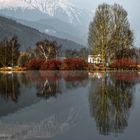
x=111 y=100
x=24 y=112
x=47 y=84
x=27 y=88
x=51 y=84
x=9 y=87
x=47 y=128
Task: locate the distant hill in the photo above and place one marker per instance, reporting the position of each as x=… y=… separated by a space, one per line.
x=28 y=36
x=56 y=27
x=60 y=18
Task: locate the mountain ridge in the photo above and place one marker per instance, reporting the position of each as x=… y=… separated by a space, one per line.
x=36 y=14
x=29 y=36
x=52 y=8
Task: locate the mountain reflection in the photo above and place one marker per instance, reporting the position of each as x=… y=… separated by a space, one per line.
x=111 y=100
x=46 y=84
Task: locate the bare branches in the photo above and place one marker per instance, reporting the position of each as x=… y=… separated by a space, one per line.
x=47 y=49
x=9 y=52
x=109 y=31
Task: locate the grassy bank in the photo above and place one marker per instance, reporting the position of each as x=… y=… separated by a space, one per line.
x=17 y=68
x=92 y=68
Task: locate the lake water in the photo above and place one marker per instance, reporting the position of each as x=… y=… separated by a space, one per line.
x=70 y=106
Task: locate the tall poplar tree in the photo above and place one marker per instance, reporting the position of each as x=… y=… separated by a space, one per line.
x=109 y=31
x=9 y=52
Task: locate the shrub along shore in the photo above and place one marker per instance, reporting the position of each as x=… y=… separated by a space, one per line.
x=52 y=64
x=73 y=64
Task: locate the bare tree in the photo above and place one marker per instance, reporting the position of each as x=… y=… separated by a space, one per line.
x=109 y=31
x=9 y=51
x=47 y=49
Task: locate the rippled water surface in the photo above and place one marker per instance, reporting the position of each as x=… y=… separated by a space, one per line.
x=70 y=106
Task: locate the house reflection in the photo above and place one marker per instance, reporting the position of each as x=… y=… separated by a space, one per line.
x=111 y=101
x=96 y=75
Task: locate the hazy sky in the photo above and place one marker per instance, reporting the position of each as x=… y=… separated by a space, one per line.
x=88 y=4
x=132 y=7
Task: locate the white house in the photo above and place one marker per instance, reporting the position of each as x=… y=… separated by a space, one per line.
x=95 y=59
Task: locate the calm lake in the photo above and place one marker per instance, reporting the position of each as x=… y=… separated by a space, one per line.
x=70 y=106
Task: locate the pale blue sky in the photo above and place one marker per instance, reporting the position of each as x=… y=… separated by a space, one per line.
x=88 y=4
x=132 y=6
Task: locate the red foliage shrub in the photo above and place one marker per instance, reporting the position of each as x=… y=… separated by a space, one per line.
x=124 y=63
x=35 y=77
x=67 y=64
x=51 y=75
x=127 y=77
x=42 y=76
x=51 y=65
x=34 y=64
x=74 y=76
x=74 y=64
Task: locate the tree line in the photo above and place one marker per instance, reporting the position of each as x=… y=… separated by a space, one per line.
x=110 y=35
x=11 y=54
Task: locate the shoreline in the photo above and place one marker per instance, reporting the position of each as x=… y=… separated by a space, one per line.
x=24 y=69
x=14 y=69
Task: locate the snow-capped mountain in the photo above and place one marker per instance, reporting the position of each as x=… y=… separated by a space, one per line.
x=57 y=8
x=42 y=11
x=14 y=4
x=61 y=9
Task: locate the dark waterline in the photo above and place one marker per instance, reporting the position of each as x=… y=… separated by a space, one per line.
x=69 y=106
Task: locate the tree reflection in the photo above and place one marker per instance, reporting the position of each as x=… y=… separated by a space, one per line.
x=50 y=86
x=55 y=83
x=46 y=84
x=9 y=86
x=110 y=103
